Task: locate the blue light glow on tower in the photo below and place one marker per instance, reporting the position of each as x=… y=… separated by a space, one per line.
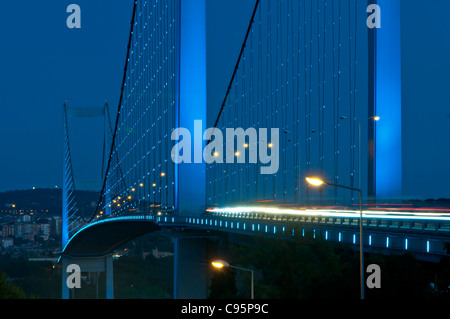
x=388 y=103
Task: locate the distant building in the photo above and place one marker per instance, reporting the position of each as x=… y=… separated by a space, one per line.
x=29 y=237
x=161 y=254
x=45 y=230
x=27 y=228
x=7 y=242
x=18 y=230
x=7 y=230
x=56 y=225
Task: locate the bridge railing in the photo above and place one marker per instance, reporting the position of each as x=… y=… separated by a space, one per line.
x=423 y=241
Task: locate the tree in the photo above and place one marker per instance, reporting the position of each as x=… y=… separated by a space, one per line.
x=447 y=248
x=8 y=290
x=297 y=269
x=223 y=284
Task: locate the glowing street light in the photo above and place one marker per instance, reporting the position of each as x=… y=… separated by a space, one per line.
x=314 y=181
x=318 y=182
x=219 y=264
x=163 y=174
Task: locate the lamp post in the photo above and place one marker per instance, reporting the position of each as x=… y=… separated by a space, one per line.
x=221 y=263
x=318 y=182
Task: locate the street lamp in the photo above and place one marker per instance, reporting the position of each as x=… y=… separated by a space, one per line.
x=221 y=263
x=318 y=182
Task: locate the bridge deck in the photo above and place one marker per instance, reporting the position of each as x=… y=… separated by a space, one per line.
x=386 y=231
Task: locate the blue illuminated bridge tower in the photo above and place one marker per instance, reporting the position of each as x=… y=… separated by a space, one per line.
x=310 y=72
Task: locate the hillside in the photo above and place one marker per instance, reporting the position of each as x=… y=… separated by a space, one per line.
x=48 y=201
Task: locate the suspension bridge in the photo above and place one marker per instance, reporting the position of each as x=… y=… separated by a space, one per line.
x=310 y=69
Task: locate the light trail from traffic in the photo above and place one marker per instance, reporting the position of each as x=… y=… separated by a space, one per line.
x=333 y=213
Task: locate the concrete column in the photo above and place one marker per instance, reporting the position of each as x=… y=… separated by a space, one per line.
x=109 y=277
x=64 y=288
x=190 y=266
x=88 y=264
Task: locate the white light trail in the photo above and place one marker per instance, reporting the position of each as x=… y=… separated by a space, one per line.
x=333 y=213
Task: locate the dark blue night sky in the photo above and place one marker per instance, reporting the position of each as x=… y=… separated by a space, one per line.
x=43 y=63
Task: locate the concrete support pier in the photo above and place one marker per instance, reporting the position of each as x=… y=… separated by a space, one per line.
x=86 y=264
x=190 y=268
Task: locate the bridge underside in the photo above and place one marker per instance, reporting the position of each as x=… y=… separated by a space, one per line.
x=100 y=239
